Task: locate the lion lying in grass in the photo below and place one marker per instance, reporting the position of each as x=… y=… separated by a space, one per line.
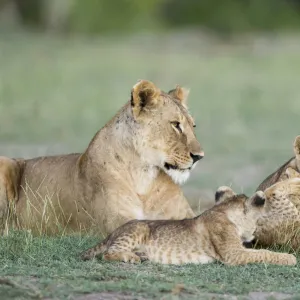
x=131 y=169
x=217 y=234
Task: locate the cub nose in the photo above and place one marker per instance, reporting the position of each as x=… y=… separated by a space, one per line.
x=197 y=157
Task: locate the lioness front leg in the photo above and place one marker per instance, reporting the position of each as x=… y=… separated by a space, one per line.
x=245 y=256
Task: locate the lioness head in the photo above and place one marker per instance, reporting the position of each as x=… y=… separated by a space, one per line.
x=241 y=210
x=165 y=129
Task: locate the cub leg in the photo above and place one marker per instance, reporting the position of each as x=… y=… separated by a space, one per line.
x=246 y=256
x=10 y=176
x=121 y=243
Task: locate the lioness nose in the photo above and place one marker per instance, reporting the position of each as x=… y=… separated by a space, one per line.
x=197 y=157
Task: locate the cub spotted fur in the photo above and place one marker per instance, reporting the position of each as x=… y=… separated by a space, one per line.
x=217 y=234
x=131 y=169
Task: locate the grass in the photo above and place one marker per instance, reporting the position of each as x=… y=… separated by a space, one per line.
x=59 y=91
x=50 y=267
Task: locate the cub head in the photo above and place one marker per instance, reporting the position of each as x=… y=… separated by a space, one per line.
x=241 y=210
x=164 y=129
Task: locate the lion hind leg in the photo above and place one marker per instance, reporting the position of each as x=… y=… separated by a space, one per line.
x=121 y=243
x=125 y=256
x=130 y=239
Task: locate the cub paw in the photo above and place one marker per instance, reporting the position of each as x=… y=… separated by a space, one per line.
x=131 y=258
x=143 y=256
x=290 y=260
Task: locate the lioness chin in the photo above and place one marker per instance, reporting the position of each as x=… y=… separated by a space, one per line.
x=131 y=169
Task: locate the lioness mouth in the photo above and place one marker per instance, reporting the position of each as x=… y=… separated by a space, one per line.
x=174 y=167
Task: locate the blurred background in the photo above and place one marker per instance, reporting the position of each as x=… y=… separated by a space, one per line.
x=67 y=66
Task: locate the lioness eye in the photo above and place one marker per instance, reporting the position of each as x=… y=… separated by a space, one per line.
x=176 y=124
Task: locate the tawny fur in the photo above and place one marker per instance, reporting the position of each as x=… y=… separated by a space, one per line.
x=280 y=173
x=131 y=169
x=217 y=234
x=281 y=225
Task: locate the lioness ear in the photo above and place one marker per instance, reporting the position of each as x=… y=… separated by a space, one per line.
x=259 y=199
x=297 y=151
x=180 y=93
x=222 y=193
x=143 y=94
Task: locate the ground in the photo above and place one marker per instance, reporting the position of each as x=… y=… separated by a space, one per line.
x=51 y=268
x=56 y=92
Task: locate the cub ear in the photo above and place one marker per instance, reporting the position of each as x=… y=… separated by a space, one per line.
x=222 y=193
x=143 y=94
x=180 y=94
x=291 y=173
x=297 y=151
x=258 y=199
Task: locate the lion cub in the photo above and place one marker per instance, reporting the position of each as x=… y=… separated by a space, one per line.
x=216 y=234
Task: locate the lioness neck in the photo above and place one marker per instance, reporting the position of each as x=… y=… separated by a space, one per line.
x=115 y=149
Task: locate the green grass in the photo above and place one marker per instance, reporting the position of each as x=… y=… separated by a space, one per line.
x=60 y=90
x=51 y=268
x=244 y=96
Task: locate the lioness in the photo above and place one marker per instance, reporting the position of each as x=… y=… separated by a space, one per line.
x=217 y=234
x=131 y=169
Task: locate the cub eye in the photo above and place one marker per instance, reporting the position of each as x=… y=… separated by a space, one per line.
x=176 y=124
x=194 y=125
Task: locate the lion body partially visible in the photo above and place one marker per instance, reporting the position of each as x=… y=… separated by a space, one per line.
x=281 y=226
x=130 y=170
